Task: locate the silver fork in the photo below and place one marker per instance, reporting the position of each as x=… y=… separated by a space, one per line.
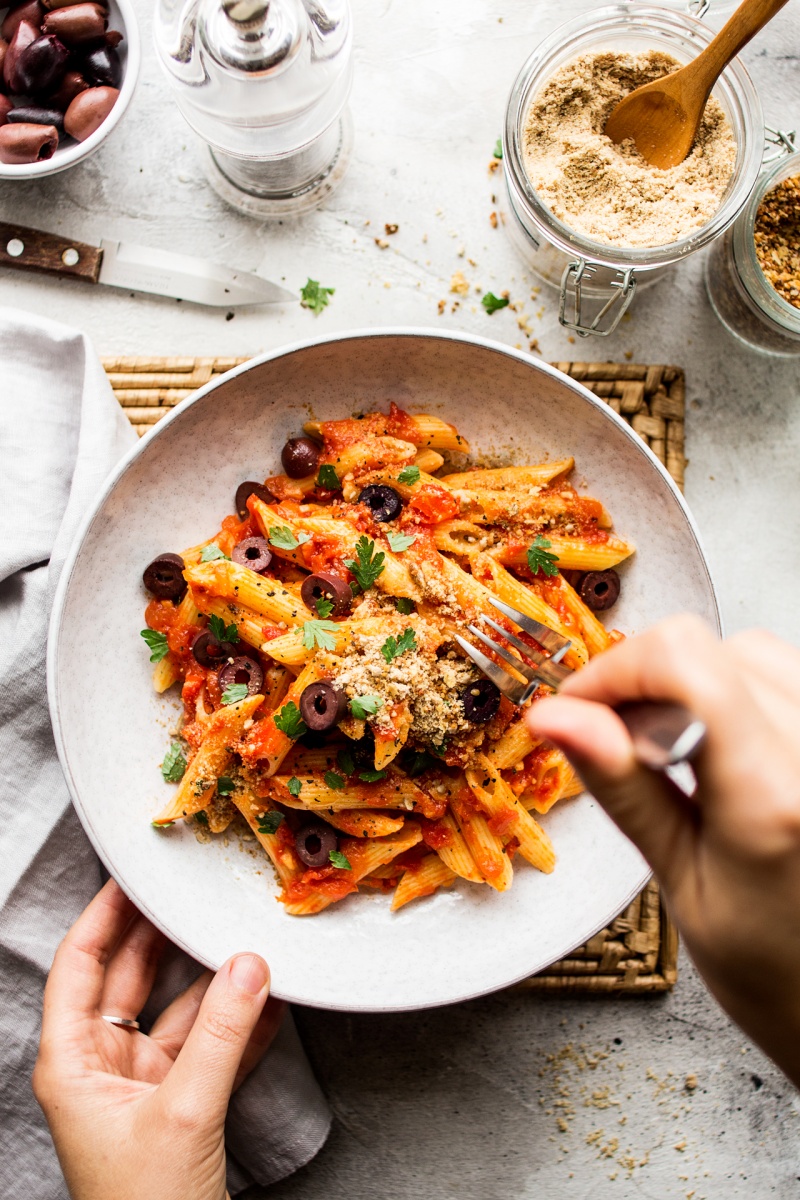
x=663 y=734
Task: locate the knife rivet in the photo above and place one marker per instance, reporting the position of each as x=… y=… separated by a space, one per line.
x=70 y=257
x=15 y=247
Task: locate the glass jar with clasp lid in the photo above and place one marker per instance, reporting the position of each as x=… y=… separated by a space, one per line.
x=741 y=295
x=598 y=281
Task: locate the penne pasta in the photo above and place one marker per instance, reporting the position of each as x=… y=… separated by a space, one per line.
x=315 y=795
x=455 y=853
x=364 y=857
x=249 y=625
x=573 y=554
x=422 y=880
x=165 y=674
x=284 y=859
x=239 y=585
x=267 y=744
x=511 y=477
x=512 y=747
x=503 y=807
x=485 y=847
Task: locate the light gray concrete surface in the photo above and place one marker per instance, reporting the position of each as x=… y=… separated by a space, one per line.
x=495 y=1098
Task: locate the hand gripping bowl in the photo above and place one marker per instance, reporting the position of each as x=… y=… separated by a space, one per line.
x=112 y=730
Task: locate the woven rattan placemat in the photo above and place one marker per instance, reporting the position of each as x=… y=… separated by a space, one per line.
x=637 y=954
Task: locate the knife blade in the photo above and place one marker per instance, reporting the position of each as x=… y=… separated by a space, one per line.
x=136 y=268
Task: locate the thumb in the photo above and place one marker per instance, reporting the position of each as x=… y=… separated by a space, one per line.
x=203 y=1075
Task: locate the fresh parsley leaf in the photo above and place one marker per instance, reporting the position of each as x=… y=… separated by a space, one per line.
x=339 y=860
x=411 y=474
x=282 y=537
x=289 y=721
x=404 y=606
x=365 y=706
x=295 y=786
x=498 y=148
x=319 y=633
x=327 y=478
x=368 y=565
x=174 y=764
x=491 y=302
x=418 y=761
x=539 y=559
x=332 y=780
x=211 y=552
x=157 y=643
x=225 y=785
x=324 y=607
x=400 y=541
x=345 y=760
x=234 y=692
x=439 y=750
x=201 y=818
x=371 y=776
x=315 y=297
x=268 y=822
x=394 y=647
x=221 y=631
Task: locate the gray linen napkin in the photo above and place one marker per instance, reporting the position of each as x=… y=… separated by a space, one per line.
x=61 y=431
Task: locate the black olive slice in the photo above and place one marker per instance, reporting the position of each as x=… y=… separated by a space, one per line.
x=481 y=701
x=209 y=652
x=249 y=488
x=599 y=590
x=326 y=586
x=243 y=669
x=300 y=457
x=322 y=706
x=314 y=843
x=383 y=501
x=164 y=577
x=253 y=552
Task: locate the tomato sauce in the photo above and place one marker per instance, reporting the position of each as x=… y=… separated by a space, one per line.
x=434 y=504
x=435 y=834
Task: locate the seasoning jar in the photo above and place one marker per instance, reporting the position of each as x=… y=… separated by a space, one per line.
x=741 y=295
x=594 y=275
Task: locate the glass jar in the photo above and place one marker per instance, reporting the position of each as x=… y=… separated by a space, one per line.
x=607 y=276
x=740 y=294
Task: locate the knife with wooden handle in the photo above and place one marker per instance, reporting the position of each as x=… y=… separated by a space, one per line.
x=136 y=268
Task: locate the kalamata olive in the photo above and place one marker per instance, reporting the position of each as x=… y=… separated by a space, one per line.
x=5 y=108
x=24 y=36
x=322 y=705
x=253 y=552
x=383 y=502
x=314 y=843
x=325 y=586
x=3 y=48
x=481 y=701
x=52 y=4
x=88 y=110
x=113 y=38
x=41 y=65
x=209 y=652
x=249 y=488
x=243 y=669
x=27 y=143
x=102 y=66
x=31 y=11
x=71 y=85
x=164 y=577
x=78 y=24
x=300 y=457
x=599 y=589
x=32 y=114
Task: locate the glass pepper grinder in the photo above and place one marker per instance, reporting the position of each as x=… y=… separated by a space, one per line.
x=264 y=83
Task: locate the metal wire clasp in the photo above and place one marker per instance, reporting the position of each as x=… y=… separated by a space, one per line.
x=777 y=143
x=579 y=271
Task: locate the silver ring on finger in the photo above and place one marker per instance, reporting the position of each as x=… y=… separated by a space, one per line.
x=124 y=1022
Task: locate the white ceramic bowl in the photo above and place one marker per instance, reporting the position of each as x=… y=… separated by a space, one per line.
x=112 y=730
x=121 y=16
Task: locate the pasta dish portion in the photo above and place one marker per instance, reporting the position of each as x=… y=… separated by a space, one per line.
x=325 y=698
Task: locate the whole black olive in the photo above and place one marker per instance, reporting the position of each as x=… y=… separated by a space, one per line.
x=314 y=843
x=243 y=669
x=481 y=701
x=253 y=552
x=71 y=86
x=209 y=652
x=41 y=65
x=249 y=488
x=164 y=577
x=599 y=589
x=78 y=24
x=325 y=586
x=322 y=705
x=32 y=114
x=300 y=457
x=88 y=110
x=383 y=502
x=5 y=105
x=102 y=66
x=26 y=34
x=31 y=11
x=27 y=143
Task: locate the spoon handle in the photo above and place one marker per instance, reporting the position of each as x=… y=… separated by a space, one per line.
x=744 y=24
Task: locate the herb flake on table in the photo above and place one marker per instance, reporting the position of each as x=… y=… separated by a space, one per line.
x=221 y=631
x=393 y=647
x=409 y=475
x=234 y=692
x=173 y=767
x=294 y=786
x=289 y=721
x=328 y=479
x=400 y=541
x=315 y=297
x=268 y=822
x=492 y=303
x=212 y=552
x=340 y=860
x=319 y=633
x=282 y=537
x=498 y=149
x=365 y=706
x=368 y=565
x=157 y=644
x=539 y=558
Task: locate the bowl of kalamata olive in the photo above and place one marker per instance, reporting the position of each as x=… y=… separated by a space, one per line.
x=68 y=69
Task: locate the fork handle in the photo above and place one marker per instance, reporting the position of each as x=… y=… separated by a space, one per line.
x=662 y=734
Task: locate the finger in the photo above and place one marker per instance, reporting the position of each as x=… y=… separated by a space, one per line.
x=171 y=1029
x=75 y=985
x=261 y=1038
x=768 y=659
x=646 y=807
x=131 y=970
x=201 y=1081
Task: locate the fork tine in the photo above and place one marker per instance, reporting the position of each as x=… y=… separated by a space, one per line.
x=524 y=669
x=553 y=669
x=545 y=636
x=516 y=691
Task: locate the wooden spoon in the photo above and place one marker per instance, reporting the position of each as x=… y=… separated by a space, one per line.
x=663 y=117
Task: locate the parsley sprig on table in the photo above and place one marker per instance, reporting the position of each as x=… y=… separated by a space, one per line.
x=498 y=149
x=157 y=643
x=174 y=765
x=539 y=558
x=393 y=647
x=282 y=537
x=400 y=541
x=234 y=692
x=289 y=721
x=315 y=297
x=365 y=706
x=368 y=565
x=211 y=553
x=319 y=633
x=492 y=303
x=221 y=631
